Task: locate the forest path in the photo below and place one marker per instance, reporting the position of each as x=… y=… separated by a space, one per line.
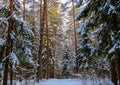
x=61 y=82
x=74 y=82
x=66 y=82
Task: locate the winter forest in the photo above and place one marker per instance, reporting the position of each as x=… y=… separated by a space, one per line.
x=59 y=42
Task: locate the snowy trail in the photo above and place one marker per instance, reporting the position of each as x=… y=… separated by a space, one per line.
x=66 y=82
x=61 y=82
x=73 y=82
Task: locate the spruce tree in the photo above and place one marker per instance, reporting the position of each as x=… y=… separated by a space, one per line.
x=103 y=28
x=17 y=41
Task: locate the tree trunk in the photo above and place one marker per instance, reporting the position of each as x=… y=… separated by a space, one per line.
x=113 y=73
x=77 y=65
x=24 y=11
x=9 y=45
x=5 y=79
x=47 y=36
x=2 y=53
x=11 y=75
x=116 y=29
x=118 y=68
x=42 y=26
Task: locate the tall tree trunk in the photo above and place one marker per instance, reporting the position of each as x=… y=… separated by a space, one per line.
x=33 y=23
x=47 y=36
x=113 y=73
x=11 y=75
x=53 y=73
x=2 y=53
x=53 y=65
x=114 y=62
x=112 y=65
x=54 y=52
x=9 y=44
x=42 y=26
x=24 y=11
x=116 y=29
x=118 y=67
x=77 y=65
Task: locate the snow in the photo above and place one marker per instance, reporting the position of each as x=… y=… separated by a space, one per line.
x=12 y=35
x=27 y=51
x=60 y=82
x=83 y=28
x=28 y=32
x=115 y=47
x=18 y=5
x=111 y=9
x=13 y=59
x=2 y=42
x=84 y=11
x=67 y=82
x=26 y=43
x=79 y=3
x=72 y=82
x=111 y=50
x=31 y=61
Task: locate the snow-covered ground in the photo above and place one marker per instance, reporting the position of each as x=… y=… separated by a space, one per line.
x=61 y=82
x=67 y=82
x=73 y=82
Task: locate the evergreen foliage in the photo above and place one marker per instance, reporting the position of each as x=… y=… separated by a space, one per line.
x=21 y=36
x=66 y=67
x=103 y=30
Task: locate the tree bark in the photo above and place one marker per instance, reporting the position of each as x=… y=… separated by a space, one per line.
x=9 y=44
x=11 y=75
x=74 y=23
x=24 y=12
x=42 y=26
x=47 y=36
x=113 y=73
x=116 y=29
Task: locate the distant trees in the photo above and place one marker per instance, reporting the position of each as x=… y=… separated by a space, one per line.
x=66 y=62
x=101 y=26
x=49 y=17
x=27 y=60
x=17 y=24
